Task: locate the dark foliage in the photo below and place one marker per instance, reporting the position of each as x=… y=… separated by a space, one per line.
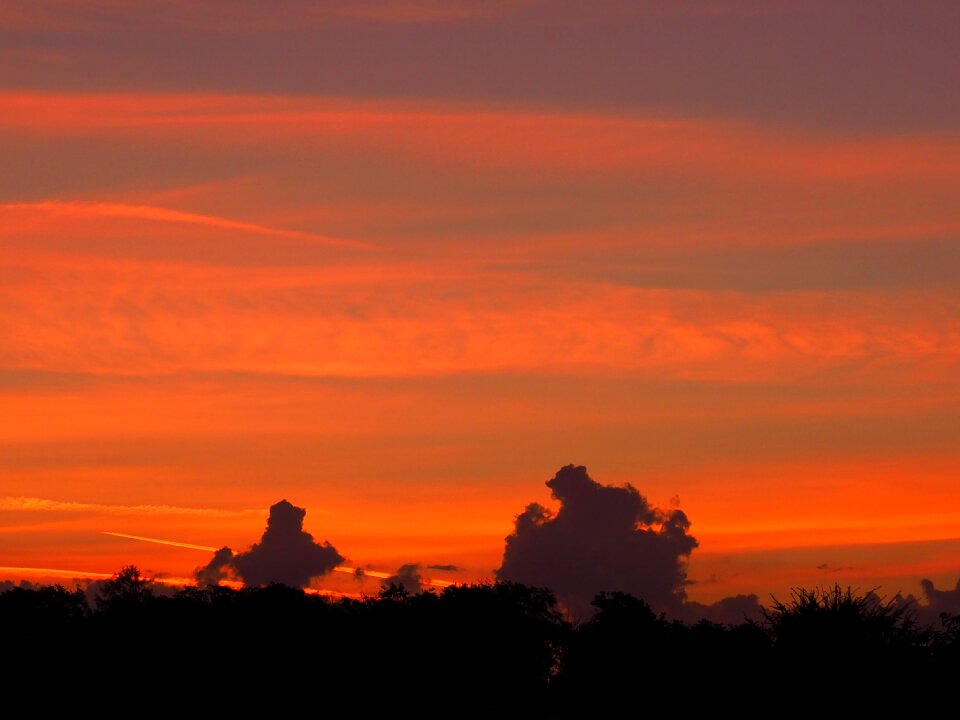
x=857 y=646
x=843 y=624
x=484 y=650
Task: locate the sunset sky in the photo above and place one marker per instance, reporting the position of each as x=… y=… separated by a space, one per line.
x=398 y=262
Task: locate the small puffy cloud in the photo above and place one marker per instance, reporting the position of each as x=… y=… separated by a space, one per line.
x=408 y=577
x=940 y=601
x=734 y=610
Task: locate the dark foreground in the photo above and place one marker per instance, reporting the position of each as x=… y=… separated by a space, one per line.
x=501 y=650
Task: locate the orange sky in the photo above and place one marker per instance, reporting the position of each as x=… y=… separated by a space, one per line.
x=403 y=302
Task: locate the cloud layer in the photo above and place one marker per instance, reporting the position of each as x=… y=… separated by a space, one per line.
x=739 y=265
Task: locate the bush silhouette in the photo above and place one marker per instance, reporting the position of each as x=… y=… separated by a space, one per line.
x=841 y=620
x=844 y=642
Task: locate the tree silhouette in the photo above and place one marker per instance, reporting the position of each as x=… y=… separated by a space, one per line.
x=127 y=588
x=392 y=592
x=499 y=649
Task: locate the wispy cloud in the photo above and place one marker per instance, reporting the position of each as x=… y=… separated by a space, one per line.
x=166 y=215
x=35 y=504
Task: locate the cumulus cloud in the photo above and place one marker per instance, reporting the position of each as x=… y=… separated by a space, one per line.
x=603 y=538
x=408 y=577
x=285 y=554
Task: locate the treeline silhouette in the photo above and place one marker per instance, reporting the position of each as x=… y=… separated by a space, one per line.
x=501 y=650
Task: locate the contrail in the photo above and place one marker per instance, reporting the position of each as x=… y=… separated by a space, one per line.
x=173 y=581
x=56 y=573
x=361 y=571
x=340 y=568
x=384 y=575
x=162 y=542
x=87 y=575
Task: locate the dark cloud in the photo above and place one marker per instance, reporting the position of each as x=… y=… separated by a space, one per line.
x=446 y=568
x=408 y=577
x=286 y=554
x=215 y=570
x=827 y=567
x=6 y=585
x=939 y=601
x=602 y=538
x=933 y=603
x=732 y=610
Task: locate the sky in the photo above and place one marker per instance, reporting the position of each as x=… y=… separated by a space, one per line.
x=399 y=262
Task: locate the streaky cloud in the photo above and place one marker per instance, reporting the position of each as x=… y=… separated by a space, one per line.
x=36 y=504
x=159 y=214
